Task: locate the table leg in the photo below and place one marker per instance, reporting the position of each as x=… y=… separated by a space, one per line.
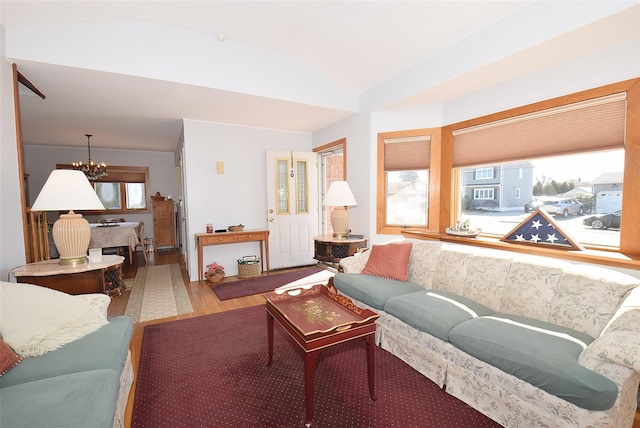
x=371 y=365
x=270 y=336
x=266 y=250
x=309 y=375
x=260 y=244
x=200 y=272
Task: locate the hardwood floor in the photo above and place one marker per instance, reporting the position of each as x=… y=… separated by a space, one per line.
x=203 y=300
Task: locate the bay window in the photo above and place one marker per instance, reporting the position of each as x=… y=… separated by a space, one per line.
x=403 y=180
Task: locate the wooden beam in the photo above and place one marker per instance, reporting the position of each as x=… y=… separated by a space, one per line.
x=29 y=85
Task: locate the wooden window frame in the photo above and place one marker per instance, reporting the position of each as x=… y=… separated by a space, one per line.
x=434 y=201
x=441 y=172
x=122 y=175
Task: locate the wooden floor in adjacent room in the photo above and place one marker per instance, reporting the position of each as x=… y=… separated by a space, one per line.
x=203 y=300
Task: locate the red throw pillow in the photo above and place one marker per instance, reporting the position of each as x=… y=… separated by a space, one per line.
x=8 y=358
x=389 y=261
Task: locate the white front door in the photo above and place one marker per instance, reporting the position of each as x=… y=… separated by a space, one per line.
x=292 y=207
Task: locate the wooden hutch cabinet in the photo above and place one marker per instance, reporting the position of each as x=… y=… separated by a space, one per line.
x=164 y=223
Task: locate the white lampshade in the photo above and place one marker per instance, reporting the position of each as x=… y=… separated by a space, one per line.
x=69 y=190
x=339 y=194
x=65 y=190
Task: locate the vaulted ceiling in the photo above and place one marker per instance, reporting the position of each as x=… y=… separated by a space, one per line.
x=129 y=72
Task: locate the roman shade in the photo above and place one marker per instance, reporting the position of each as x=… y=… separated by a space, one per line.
x=595 y=124
x=407 y=153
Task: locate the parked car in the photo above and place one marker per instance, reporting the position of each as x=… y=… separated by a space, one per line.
x=533 y=205
x=604 y=221
x=556 y=206
x=563 y=207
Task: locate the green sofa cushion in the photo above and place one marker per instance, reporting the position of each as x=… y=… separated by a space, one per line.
x=434 y=311
x=546 y=356
x=372 y=290
x=105 y=348
x=84 y=399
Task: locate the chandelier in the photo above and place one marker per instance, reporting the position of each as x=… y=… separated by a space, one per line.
x=93 y=171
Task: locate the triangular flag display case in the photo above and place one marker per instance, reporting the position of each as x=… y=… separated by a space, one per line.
x=539 y=229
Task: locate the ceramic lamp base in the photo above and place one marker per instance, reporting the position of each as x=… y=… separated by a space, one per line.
x=340 y=222
x=71 y=234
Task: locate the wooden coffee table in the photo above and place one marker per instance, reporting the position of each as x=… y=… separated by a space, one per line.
x=315 y=319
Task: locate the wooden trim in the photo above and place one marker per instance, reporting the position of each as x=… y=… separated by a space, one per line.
x=587 y=256
x=381 y=200
x=441 y=219
x=329 y=146
x=30 y=85
x=124 y=174
x=629 y=232
x=547 y=104
x=444 y=203
x=28 y=248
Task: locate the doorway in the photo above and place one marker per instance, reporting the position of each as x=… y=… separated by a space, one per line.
x=332 y=168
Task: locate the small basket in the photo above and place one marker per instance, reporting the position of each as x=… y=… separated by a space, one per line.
x=237 y=228
x=249 y=267
x=214 y=277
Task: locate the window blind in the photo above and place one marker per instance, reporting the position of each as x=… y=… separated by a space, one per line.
x=596 y=124
x=407 y=153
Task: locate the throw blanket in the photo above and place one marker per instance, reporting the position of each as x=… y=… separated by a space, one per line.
x=35 y=320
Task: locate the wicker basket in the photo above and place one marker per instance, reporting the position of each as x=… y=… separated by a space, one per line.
x=214 y=277
x=249 y=267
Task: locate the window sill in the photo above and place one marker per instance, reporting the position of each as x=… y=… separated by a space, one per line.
x=600 y=257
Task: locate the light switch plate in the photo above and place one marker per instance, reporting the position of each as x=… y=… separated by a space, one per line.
x=220 y=167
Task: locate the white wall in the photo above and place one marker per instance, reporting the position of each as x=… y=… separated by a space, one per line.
x=238 y=195
x=11 y=237
x=616 y=63
x=39 y=161
x=162 y=52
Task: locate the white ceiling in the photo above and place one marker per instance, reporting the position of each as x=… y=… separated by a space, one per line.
x=357 y=45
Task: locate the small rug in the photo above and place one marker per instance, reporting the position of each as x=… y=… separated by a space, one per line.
x=260 y=284
x=158 y=292
x=211 y=371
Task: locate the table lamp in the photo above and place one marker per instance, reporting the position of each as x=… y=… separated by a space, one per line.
x=339 y=196
x=69 y=190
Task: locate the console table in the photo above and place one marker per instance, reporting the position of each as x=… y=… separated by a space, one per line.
x=93 y=277
x=331 y=249
x=257 y=235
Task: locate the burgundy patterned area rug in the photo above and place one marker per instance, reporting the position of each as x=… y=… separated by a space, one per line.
x=211 y=371
x=261 y=284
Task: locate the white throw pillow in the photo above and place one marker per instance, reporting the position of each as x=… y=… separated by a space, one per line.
x=35 y=320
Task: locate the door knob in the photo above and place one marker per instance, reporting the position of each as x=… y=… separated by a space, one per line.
x=270 y=211
x=271 y=219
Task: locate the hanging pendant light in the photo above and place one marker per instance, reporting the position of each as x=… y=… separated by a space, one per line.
x=93 y=171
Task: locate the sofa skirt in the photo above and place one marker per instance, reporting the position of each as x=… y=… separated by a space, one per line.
x=126 y=380
x=495 y=393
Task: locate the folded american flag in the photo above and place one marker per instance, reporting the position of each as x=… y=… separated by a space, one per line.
x=540 y=229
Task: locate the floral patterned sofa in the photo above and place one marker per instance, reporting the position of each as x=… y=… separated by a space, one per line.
x=528 y=341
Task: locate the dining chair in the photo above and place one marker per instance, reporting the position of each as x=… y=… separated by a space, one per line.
x=140 y=233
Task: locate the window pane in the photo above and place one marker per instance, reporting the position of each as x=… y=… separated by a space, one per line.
x=484 y=173
x=583 y=192
x=407 y=198
x=135 y=196
x=109 y=194
x=282 y=186
x=302 y=196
